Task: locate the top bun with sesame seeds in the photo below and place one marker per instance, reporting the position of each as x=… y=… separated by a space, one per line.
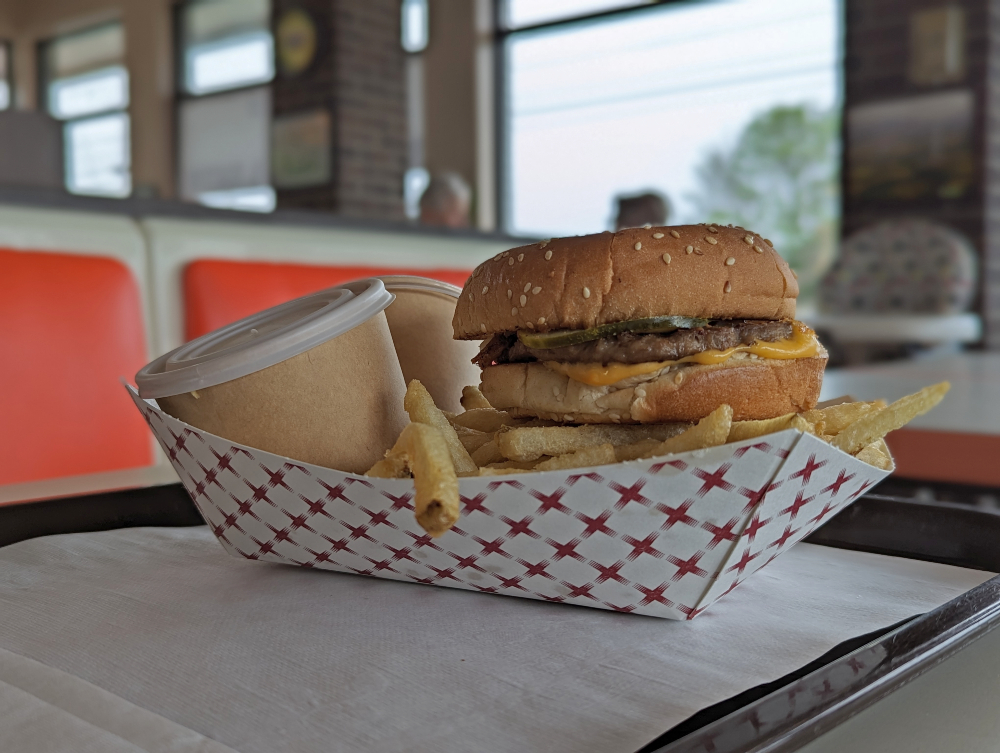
x=709 y=271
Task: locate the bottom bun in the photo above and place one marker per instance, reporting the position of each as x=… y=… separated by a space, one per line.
x=755 y=388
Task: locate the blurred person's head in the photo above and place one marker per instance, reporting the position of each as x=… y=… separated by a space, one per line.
x=446 y=201
x=649 y=208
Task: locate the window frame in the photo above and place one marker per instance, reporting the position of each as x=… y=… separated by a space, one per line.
x=182 y=95
x=44 y=78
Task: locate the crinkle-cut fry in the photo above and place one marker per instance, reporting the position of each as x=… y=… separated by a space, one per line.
x=876 y=424
x=835 y=418
x=711 y=431
x=531 y=443
x=420 y=406
x=488 y=453
x=875 y=454
x=473 y=398
x=435 y=499
x=602 y=454
x=482 y=419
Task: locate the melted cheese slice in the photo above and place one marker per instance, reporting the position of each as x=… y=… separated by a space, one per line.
x=802 y=344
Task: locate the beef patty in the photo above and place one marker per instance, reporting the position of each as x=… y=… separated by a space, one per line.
x=630 y=347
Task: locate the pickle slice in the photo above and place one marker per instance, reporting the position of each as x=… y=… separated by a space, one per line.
x=562 y=337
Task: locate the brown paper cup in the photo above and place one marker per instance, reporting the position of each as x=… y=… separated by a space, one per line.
x=420 y=322
x=338 y=405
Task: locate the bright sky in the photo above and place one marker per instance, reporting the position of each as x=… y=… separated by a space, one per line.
x=633 y=103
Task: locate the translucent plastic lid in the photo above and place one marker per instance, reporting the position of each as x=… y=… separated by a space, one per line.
x=414 y=284
x=263 y=339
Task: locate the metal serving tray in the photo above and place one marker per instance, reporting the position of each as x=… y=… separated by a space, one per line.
x=779 y=716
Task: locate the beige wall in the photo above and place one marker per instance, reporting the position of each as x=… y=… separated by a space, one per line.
x=149 y=58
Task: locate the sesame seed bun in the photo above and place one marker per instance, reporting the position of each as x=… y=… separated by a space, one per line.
x=755 y=388
x=581 y=282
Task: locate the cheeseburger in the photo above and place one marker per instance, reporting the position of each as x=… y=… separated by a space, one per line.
x=645 y=325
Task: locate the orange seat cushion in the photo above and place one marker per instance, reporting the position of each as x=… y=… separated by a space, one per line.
x=70 y=327
x=218 y=292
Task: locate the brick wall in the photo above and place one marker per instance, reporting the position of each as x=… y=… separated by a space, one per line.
x=359 y=77
x=877 y=37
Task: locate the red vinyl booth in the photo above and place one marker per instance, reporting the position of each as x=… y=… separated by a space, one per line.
x=218 y=292
x=70 y=327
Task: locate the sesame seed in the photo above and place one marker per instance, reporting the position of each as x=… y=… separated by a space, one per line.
x=678 y=377
x=568 y=417
x=728 y=287
x=647 y=226
x=482 y=327
x=658 y=235
x=555 y=391
x=666 y=258
x=638 y=246
x=530 y=325
x=758 y=249
x=614 y=416
x=505 y=254
x=711 y=240
x=640 y=392
x=748 y=240
x=586 y=292
x=498 y=257
x=513 y=312
x=699 y=252
x=524 y=299
x=548 y=255
x=768 y=242
x=689 y=249
x=510 y=262
x=486 y=289
x=536 y=290
x=509 y=294
x=527 y=287
x=543 y=244
x=712 y=229
x=675 y=234
x=541 y=321
x=730 y=261
x=520 y=257
x=472 y=296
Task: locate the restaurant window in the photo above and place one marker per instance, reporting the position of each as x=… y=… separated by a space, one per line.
x=86 y=85
x=6 y=88
x=414 y=26
x=224 y=110
x=729 y=109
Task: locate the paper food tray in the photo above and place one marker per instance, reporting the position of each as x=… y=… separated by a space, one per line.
x=664 y=537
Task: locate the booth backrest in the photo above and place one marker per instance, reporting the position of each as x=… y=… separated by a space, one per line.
x=72 y=326
x=217 y=292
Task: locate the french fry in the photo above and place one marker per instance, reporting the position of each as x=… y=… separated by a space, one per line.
x=750 y=429
x=488 y=453
x=435 y=498
x=482 y=419
x=711 y=431
x=473 y=398
x=835 y=401
x=471 y=439
x=420 y=406
x=875 y=454
x=602 y=454
x=391 y=466
x=876 y=424
x=835 y=418
x=644 y=448
x=531 y=443
x=512 y=466
x=493 y=470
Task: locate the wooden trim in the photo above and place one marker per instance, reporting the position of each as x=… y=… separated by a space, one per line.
x=946 y=456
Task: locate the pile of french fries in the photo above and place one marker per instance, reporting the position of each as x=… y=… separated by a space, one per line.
x=438 y=447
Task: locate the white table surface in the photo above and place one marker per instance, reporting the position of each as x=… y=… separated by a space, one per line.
x=972 y=406
x=265 y=657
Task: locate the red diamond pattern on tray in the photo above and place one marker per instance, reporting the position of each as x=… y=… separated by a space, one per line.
x=663 y=538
